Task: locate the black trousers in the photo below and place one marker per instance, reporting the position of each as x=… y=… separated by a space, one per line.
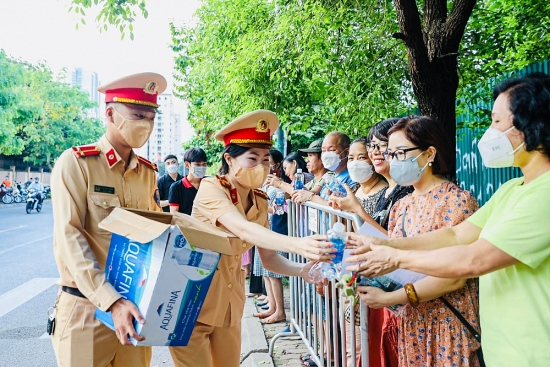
x=256 y=282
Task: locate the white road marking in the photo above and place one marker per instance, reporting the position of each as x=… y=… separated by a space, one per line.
x=11 y=229
x=26 y=291
x=45 y=336
x=25 y=244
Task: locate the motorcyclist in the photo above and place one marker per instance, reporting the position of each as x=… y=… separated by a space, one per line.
x=39 y=187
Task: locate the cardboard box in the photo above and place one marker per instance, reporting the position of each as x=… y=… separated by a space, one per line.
x=164 y=264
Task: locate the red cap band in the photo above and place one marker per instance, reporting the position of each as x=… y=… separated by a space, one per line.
x=131 y=95
x=248 y=136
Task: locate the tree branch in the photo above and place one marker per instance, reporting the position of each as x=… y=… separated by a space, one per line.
x=434 y=10
x=456 y=23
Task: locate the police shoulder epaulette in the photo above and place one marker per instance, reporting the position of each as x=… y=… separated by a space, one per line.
x=147 y=163
x=261 y=194
x=223 y=181
x=86 y=150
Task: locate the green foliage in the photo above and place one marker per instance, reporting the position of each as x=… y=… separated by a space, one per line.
x=314 y=64
x=503 y=37
x=330 y=65
x=119 y=13
x=40 y=116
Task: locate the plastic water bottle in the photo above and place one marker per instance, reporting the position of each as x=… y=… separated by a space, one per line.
x=279 y=202
x=336 y=187
x=197 y=259
x=337 y=235
x=329 y=271
x=298 y=180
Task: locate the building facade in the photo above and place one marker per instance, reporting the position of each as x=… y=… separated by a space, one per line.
x=88 y=82
x=167 y=133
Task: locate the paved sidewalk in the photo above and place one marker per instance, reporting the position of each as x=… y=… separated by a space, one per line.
x=288 y=350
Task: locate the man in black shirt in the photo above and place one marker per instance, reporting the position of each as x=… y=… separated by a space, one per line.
x=164 y=182
x=183 y=192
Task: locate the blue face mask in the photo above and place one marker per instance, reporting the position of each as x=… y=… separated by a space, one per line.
x=407 y=172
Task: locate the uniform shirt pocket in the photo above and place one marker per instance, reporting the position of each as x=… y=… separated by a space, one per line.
x=100 y=205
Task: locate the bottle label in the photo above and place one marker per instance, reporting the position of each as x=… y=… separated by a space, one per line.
x=195 y=259
x=280 y=200
x=298 y=185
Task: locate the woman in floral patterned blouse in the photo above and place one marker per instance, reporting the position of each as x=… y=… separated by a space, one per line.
x=429 y=333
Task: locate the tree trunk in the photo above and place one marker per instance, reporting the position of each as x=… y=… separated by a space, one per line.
x=432 y=50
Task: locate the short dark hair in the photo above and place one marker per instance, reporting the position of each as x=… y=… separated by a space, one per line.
x=170 y=156
x=425 y=132
x=343 y=139
x=234 y=151
x=277 y=157
x=194 y=154
x=300 y=162
x=380 y=129
x=362 y=139
x=529 y=102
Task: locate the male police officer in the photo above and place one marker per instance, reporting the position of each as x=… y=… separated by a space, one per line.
x=87 y=183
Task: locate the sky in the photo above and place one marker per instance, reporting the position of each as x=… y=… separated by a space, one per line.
x=44 y=30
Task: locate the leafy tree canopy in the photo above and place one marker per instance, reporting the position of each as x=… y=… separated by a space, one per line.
x=332 y=64
x=41 y=116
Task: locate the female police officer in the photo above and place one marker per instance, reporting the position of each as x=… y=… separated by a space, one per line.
x=232 y=201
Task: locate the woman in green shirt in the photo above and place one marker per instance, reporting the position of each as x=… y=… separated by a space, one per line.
x=505 y=243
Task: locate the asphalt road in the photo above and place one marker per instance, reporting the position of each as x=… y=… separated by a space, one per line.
x=27 y=288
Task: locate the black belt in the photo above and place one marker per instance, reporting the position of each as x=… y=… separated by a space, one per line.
x=72 y=291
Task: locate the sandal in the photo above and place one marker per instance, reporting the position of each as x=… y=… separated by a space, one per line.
x=270 y=320
x=261 y=315
x=311 y=362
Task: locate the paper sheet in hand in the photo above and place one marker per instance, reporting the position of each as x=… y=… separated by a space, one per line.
x=394 y=280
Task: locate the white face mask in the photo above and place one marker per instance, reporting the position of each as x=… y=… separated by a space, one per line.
x=496 y=149
x=171 y=169
x=330 y=160
x=407 y=172
x=199 y=171
x=359 y=171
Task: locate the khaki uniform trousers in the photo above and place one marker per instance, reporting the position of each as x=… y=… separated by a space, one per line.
x=211 y=346
x=80 y=340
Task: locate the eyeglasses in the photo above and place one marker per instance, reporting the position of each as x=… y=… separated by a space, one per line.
x=400 y=154
x=382 y=147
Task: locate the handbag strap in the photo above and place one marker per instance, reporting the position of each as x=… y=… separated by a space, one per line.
x=462 y=319
x=384 y=222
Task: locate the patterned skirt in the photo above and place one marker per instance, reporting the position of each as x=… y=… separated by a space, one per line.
x=259 y=269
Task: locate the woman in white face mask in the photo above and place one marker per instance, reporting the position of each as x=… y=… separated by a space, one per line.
x=371 y=183
x=419 y=155
x=233 y=201
x=506 y=243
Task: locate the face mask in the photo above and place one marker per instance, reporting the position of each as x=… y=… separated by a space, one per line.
x=407 y=172
x=331 y=160
x=135 y=132
x=496 y=149
x=199 y=171
x=171 y=169
x=359 y=171
x=251 y=178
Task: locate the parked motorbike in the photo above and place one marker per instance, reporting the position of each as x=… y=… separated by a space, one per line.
x=33 y=201
x=6 y=195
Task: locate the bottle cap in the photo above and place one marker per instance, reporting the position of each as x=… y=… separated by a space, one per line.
x=338 y=227
x=299 y=170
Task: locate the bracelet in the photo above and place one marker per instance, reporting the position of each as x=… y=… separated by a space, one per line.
x=411 y=294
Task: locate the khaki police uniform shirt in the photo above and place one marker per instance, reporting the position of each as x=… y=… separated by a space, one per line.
x=84 y=192
x=226 y=293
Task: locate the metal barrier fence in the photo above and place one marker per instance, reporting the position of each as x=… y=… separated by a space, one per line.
x=319 y=320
